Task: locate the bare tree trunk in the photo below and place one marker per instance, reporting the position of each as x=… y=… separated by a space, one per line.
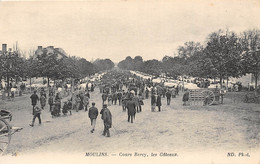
x=48 y=81
x=227 y=83
x=221 y=79
x=256 y=81
x=72 y=91
x=8 y=85
x=30 y=85
x=182 y=81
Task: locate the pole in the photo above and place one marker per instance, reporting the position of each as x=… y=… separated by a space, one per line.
x=72 y=92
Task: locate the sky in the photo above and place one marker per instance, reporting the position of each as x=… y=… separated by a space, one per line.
x=116 y=29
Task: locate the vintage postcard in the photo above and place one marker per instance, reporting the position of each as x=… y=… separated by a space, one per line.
x=130 y=81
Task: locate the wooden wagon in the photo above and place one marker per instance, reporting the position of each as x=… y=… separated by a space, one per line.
x=6 y=130
x=204 y=96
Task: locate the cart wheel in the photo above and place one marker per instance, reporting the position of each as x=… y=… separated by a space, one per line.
x=210 y=97
x=5 y=135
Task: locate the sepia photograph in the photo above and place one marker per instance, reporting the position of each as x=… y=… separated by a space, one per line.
x=128 y=81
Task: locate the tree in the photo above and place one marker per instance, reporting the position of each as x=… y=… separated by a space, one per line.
x=52 y=67
x=12 y=67
x=153 y=67
x=103 y=64
x=85 y=67
x=223 y=50
x=189 y=50
x=138 y=63
x=251 y=53
x=174 y=66
x=126 y=64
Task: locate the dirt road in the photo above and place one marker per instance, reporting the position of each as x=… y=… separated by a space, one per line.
x=228 y=127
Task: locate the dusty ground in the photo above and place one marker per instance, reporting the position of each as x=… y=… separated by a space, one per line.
x=231 y=127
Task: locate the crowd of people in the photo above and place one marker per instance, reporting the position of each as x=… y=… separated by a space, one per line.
x=130 y=91
x=116 y=88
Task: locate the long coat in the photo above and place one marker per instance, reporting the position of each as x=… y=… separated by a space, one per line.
x=130 y=105
x=104 y=96
x=153 y=99
x=34 y=99
x=106 y=117
x=185 y=96
x=159 y=101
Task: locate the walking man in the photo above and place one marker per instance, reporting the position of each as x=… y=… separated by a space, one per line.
x=131 y=109
x=146 y=93
x=50 y=101
x=119 y=97
x=159 y=102
x=107 y=118
x=36 y=113
x=104 y=98
x=92 y=114
x=153 y=101
x=168 y=96
x=136 y=101
x=34 y=97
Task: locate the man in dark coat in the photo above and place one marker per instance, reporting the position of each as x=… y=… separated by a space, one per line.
x=185 y=97
x=153 y=101
x=131 y=110
x=146 y=93
x=168 y=96
x=50 y=101
x=159 y=102
x=107 y=118
x=34 y=97
x=119 y=97
x=104 y=97
x=137 y=103
x=92 y=114
x=92 y=88
x=114 y=98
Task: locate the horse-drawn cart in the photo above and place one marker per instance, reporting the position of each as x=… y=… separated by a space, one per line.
x=204 y=96
x=6 y=130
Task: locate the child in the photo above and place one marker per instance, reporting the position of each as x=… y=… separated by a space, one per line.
x=36 y=113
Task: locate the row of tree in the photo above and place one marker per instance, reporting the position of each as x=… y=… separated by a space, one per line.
x=15 y=67
x=225 y=54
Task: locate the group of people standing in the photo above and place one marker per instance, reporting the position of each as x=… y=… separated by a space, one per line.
x=130 y=91
x=36 y=109
x=116 y=88
x=81 y=102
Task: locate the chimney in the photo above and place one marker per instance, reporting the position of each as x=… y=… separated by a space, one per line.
x=4 y=48
x=39 y=47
